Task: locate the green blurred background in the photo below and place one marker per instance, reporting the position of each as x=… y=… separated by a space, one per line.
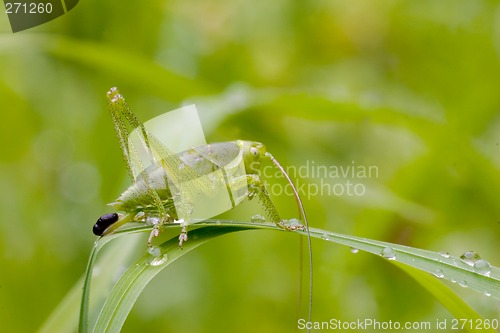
x=411 y=87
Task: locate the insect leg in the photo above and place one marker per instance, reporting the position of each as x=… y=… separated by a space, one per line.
x=303 y=213
x=163 y=216
x=256 y=187
x=122 y=115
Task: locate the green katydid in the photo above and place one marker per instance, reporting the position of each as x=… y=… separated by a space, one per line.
x=151 y=196
x=169 y=187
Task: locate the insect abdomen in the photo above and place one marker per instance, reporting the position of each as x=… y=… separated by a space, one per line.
x=103 y=223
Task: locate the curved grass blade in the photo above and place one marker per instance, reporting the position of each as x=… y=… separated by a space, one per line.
x=445 y=296
x=65 y=317
x=417 y=263
x=129 y=287
x=107 y=265
x=131 y=284
x=446 y=267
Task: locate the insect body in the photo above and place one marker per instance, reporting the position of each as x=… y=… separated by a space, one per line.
x=103 y=223
x=136 y=200
x=201 y=182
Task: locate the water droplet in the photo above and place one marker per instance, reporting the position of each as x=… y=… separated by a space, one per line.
x=257 y=218
x=470 y=257
x=453 y=280
x=438 y=273
x=159 y=260
x=482 y=267
x=154 y=251
x=487 y=293
x=463 y=283
x=354 y=250
x=388 y=253
x=295 y=224
x=444 y=254
x=325 y=237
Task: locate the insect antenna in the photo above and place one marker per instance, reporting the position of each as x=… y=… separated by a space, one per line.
x=303 y=214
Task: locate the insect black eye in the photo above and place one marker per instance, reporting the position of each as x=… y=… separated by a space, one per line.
x=103 y=223
x=255 y=152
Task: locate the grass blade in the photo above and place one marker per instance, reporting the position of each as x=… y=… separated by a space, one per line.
x=119 y=254
x=416 y=262
x=449 y=268
x=135 y=279
x=445 y=296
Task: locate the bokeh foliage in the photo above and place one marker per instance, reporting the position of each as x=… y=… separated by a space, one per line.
x=410 y=87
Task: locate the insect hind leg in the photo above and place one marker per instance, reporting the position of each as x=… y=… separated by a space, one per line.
x=256 y=187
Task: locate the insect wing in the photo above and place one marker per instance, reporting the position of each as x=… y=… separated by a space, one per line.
x=222 y=183
x=228 y=157
x=199 y=178
x=167 y=135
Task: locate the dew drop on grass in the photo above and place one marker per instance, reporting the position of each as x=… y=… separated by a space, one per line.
x=257 y=218
x=482 y=267
x=487 y=293
x=463 y=283
x=159 y=260
x=154 y=251
x=354 y=250
x=470 y=257
x=438 y=273
x=325 y=237
x=388 y=253
x=444 y=254
x=293 y=224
